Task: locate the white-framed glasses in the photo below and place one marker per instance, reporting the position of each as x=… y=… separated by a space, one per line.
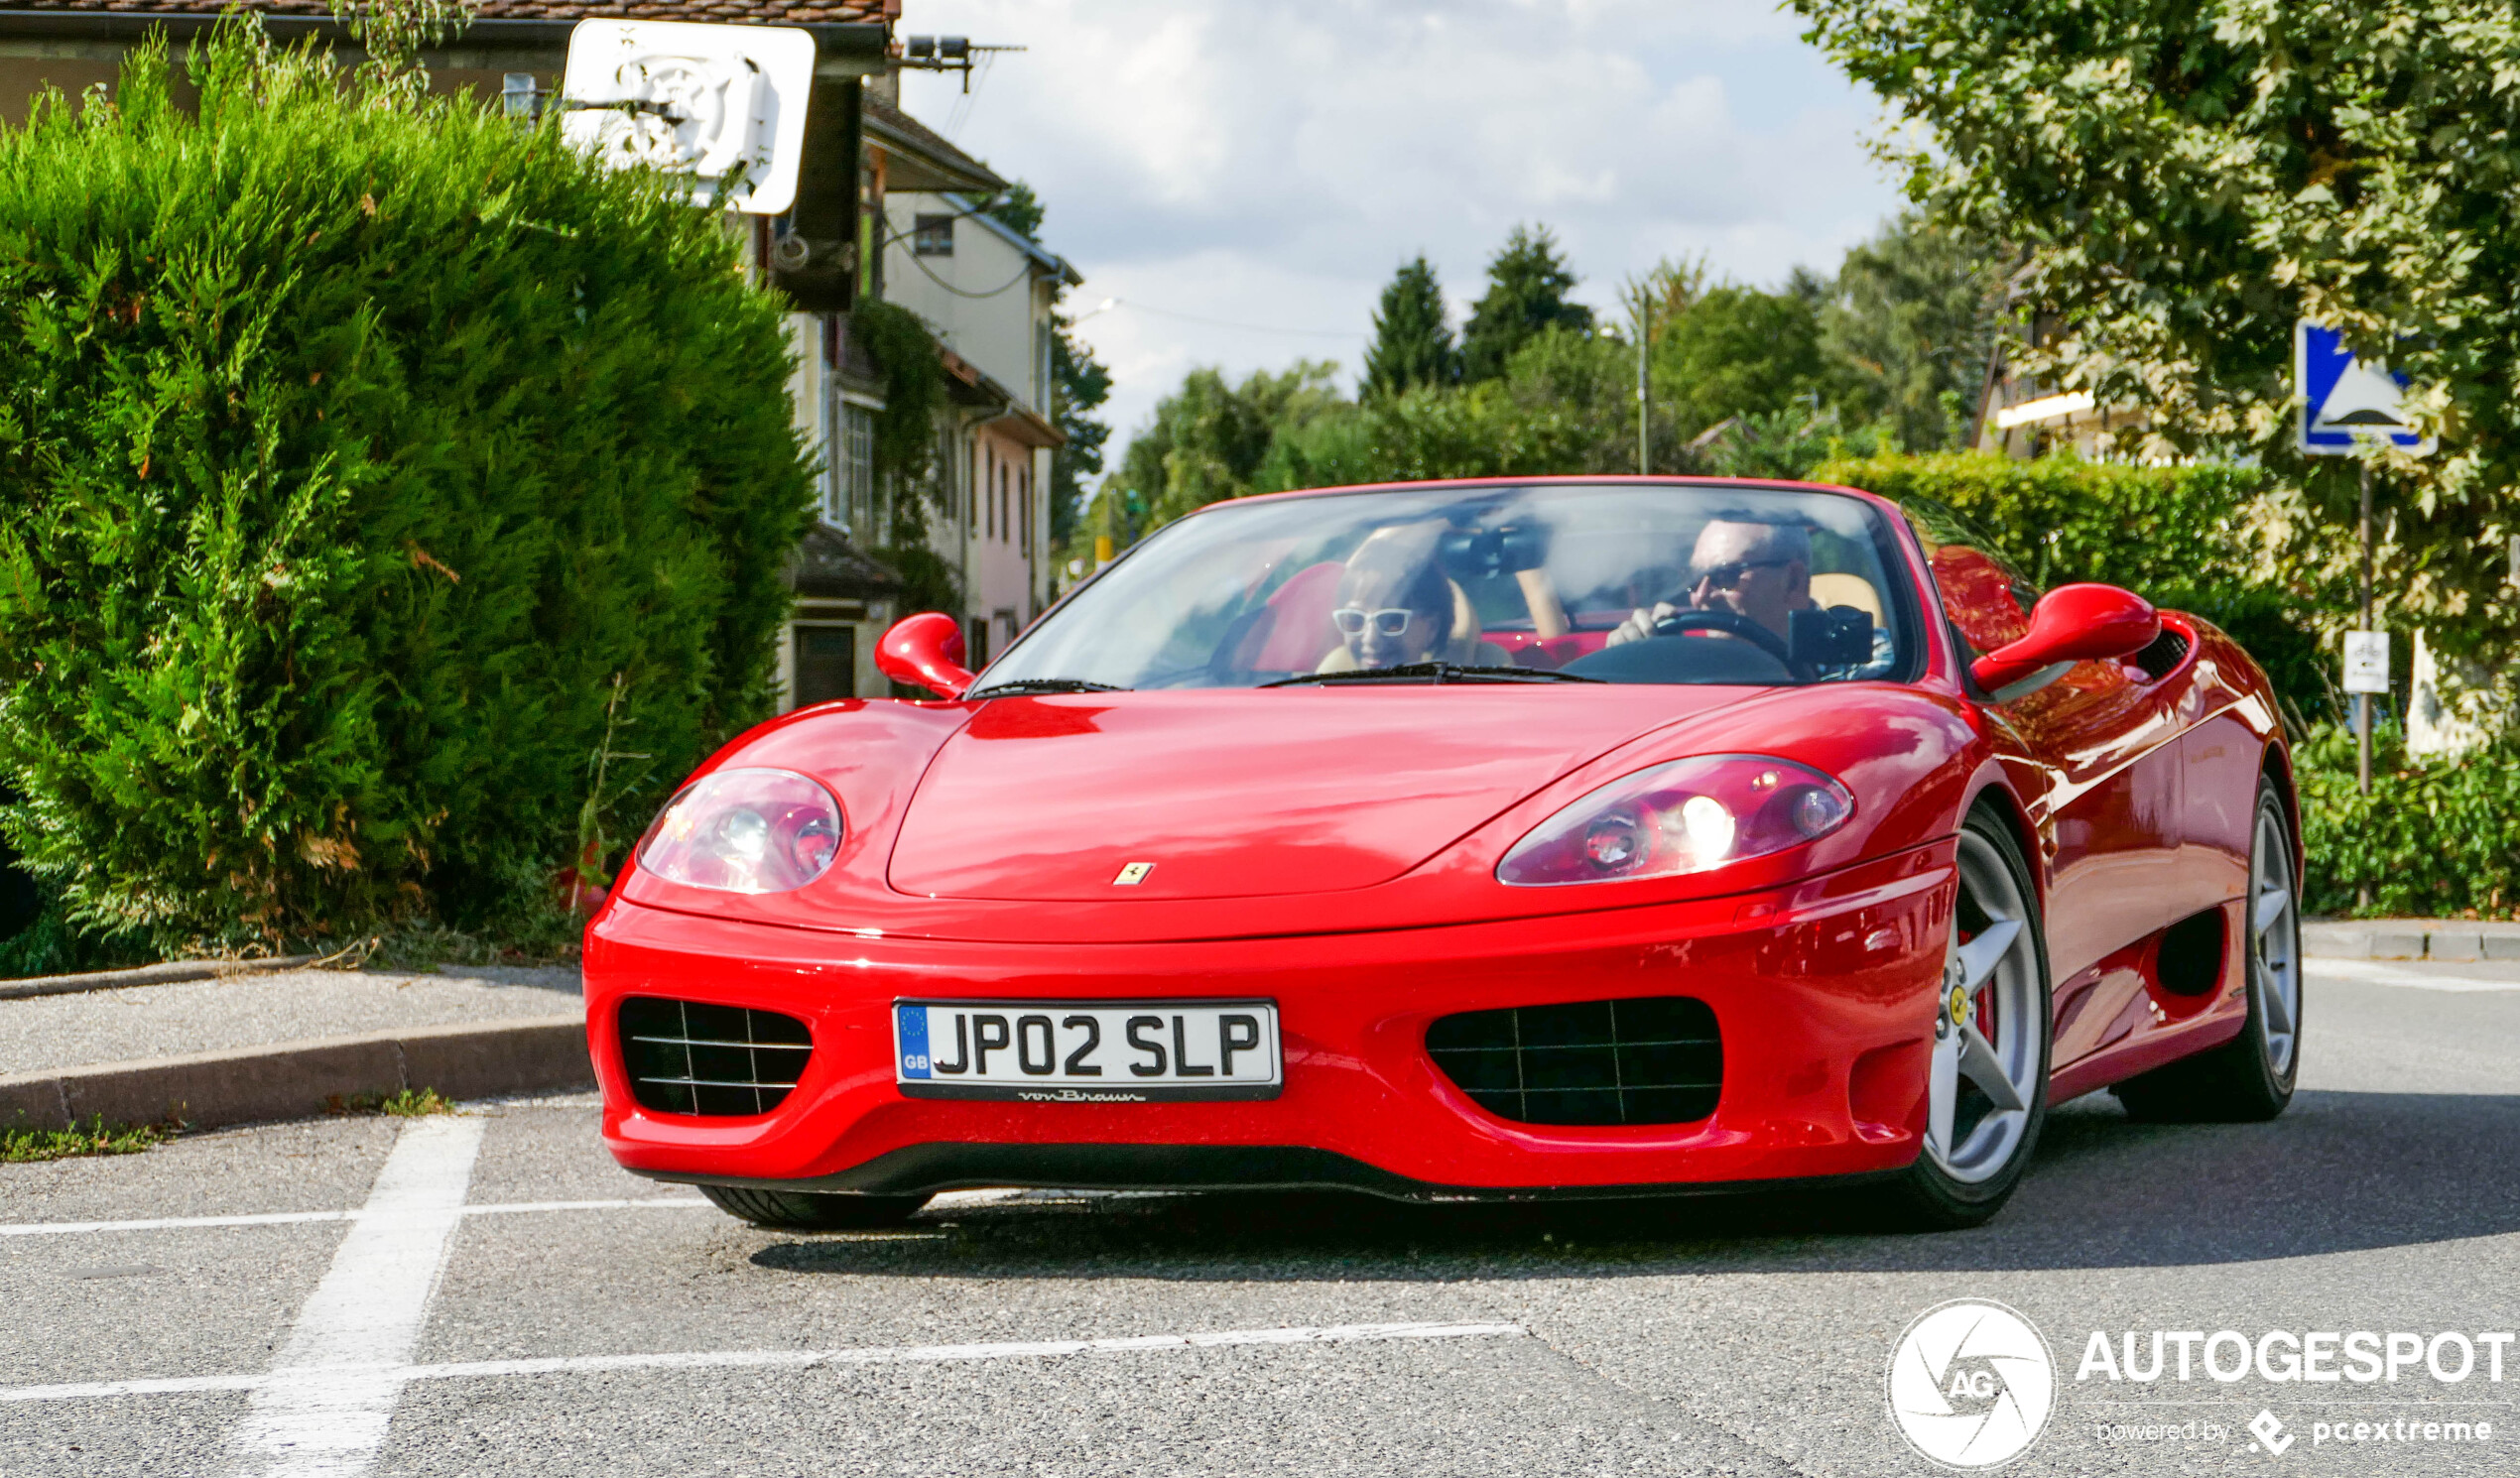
x=1391 y=621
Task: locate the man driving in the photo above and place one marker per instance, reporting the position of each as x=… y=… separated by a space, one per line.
x=1758 y=571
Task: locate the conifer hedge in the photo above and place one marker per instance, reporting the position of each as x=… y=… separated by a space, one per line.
x=351 y=449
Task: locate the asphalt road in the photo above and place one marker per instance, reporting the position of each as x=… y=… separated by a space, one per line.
x=486 y=1319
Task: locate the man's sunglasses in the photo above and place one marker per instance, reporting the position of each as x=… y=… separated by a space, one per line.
x=1391 y=621
x=1728 y=576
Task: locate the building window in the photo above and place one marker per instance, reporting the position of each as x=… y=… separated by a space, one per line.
x=932 y=237
x=850 y=499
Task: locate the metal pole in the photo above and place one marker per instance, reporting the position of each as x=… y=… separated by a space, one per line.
x=1644 y=404
x=2362 y=700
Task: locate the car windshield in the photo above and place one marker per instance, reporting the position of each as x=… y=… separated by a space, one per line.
x=1567 y=583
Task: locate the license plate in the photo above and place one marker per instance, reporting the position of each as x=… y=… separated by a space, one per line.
x=1086 y=1051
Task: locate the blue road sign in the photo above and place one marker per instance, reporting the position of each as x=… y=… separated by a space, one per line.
x=2345 y=402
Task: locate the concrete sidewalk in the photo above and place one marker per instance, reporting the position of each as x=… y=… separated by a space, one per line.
x=280 y=1046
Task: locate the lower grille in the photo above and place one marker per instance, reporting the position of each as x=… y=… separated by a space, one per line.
x=686 y=1057
x=1651 y=1059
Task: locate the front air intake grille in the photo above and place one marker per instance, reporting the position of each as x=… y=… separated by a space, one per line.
x=1652 y=1059
x=686 y=1057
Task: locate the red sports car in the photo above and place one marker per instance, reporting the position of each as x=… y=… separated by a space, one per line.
x=1543 y=837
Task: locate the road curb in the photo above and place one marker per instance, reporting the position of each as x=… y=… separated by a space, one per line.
x=2463 y=939
x=292 y=1080
x=170 y=973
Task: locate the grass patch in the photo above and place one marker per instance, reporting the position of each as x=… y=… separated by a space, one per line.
x=410 y=1103
x=23 y=1146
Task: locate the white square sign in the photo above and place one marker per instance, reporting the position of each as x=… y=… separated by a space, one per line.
x=2367 y=662
x=722 y=104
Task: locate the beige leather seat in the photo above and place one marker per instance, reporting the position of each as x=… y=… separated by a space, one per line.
x=1462 y=647
x=1849 y=590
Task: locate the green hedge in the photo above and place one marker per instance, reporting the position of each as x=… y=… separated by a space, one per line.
x=349 y=451
x=2175 y=535
x=2432 y=841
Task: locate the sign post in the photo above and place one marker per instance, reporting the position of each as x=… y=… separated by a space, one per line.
x=2348 y=405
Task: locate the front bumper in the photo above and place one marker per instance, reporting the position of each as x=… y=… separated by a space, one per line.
x=1824 y=994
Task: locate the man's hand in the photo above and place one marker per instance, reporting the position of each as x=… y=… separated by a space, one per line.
x=1640 y=624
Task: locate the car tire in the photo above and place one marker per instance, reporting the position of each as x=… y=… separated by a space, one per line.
x=1979 y=1147
x=2250 y=1077
x=812 y=1211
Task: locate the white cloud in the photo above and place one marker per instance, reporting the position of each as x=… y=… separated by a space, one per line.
x=1270 y=163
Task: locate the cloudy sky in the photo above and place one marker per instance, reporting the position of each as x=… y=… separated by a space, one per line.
x=1244 y=176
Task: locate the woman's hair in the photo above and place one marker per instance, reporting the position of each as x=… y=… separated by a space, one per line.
x=1404 y=555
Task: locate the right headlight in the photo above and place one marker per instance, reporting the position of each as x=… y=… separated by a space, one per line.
x=1689 y=816
x=745 y=831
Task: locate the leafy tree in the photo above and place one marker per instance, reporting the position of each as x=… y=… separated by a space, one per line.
x=1207 y=442
x=393 y=32
x=1079 y=384
x=1413 y=334
x=2191 y=175
x=1786 y=445
x=1908 y=327
x=1733 y=351
x=1664 y=293
x=1527 y=287
x=1335 y=448
x=1019 y=210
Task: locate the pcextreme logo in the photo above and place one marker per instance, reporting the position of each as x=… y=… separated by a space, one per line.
x=1972 y=1383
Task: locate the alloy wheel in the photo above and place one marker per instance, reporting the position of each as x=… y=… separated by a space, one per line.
x=1988 y=1032
x=2274 y=962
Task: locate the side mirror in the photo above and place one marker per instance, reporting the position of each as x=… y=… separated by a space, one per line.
x=925 y=651
x=2072 y=623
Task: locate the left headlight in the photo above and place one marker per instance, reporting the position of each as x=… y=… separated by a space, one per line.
x=1685 y=816
x=745 y=831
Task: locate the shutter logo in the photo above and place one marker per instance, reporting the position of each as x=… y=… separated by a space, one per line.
x=1971 y=1384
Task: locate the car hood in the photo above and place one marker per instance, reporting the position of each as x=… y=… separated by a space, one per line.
x=1243 y=792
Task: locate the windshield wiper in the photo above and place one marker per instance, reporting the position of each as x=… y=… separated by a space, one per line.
x=1014 y=686
x=1437 y=672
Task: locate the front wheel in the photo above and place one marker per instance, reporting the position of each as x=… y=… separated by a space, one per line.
x=812 y=1211
x=1986 y=1092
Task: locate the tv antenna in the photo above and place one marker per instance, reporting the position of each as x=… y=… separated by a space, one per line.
x=948 y=54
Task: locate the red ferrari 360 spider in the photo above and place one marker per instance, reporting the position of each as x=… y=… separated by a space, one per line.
x=1579 y=837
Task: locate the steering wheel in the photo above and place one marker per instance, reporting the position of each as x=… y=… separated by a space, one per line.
x=1738 y=626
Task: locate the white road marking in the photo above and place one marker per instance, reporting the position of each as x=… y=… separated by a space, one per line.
x=292 y=1218
x=783 y=1359
x=322 y=1411
x=2372 y=972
